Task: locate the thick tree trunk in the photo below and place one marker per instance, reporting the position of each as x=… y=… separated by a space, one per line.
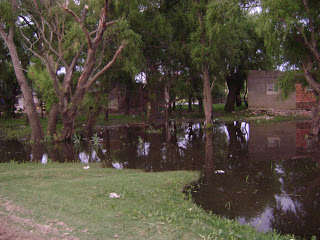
x=53 y=119
x=235 y=83
x=207 y=95
x=238 y=99
x=30 y=108
x=231 y=99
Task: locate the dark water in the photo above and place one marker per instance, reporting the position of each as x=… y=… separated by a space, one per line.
x=264 y=175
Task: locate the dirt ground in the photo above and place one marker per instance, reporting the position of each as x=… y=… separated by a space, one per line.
x=13 y=227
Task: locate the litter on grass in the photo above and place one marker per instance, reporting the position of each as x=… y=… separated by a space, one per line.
x=114 y=195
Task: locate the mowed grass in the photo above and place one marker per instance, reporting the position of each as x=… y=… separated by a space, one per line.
x=151 y=205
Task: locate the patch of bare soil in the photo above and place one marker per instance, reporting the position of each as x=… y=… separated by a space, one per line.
x=13 y=227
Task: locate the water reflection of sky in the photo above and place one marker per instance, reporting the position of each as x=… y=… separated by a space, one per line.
x=143 y=149
x=262 y=222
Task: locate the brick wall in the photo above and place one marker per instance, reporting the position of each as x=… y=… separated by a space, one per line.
x=305 y=98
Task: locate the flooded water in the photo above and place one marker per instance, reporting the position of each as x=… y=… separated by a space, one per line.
x=265 y=175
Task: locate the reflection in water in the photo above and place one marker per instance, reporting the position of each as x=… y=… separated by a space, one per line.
x=271 y=181
x=265 y=175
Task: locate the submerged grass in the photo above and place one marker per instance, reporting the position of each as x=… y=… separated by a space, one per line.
x=151 y=205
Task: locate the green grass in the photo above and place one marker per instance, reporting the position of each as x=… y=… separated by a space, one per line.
x=152 y=205
x=15 y=128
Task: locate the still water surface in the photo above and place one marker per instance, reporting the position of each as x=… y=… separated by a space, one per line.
x=264 y=175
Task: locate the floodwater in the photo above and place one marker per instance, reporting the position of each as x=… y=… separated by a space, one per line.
x=265 y=175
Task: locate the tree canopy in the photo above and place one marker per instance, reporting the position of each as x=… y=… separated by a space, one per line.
x=189 y=48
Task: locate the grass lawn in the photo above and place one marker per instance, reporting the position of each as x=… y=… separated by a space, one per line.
x=76 y=203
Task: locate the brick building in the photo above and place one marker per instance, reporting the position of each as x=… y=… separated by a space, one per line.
x=262 y=92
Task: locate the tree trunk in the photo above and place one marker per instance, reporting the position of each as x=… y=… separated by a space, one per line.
x=127 y=99
x=209 y=156
x=200 y=101
x=235 y=83
x=30 y=108
x=190 y=103
x=238 y=98
x=207 y=95
x=167 y=100
x=315 y=126
x=53 y=119
x=91 y=121
x=232 y=95
x=142 y=102
x=153 y=111
x=106 y=114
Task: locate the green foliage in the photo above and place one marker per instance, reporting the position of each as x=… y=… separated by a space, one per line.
x=280 y=24
x=217 y=39
x=131 y=57
x=286 y=82
x=42 y=84
x=76 y=139
x=6 y=13
x=95 y=140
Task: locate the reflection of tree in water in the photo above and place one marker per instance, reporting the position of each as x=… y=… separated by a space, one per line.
x=13 y=150
x=287 y=191
x=302 y=189
x=176 y=148
x=246 y=187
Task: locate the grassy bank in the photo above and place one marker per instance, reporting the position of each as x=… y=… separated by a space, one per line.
x=76 y=202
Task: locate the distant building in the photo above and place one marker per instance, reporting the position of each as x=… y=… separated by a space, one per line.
x=20 y=103
x=263 y=94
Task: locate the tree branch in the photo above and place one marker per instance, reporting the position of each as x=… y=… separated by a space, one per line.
x=3 y=33
x=70 y=69
x=307 y=68
x=80 y=21
x=313 y=50
x=95 y=77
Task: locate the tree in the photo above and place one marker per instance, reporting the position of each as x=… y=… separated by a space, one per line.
x=215 y=42
x=9 y=13
x=72 y=39
x=292 y=34
x=158 y=22
x=9 y=87
x=253 y=57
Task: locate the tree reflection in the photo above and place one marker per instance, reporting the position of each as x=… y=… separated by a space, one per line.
x=280 y=195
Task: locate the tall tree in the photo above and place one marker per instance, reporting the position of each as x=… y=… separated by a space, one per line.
x=292 y=34
x=9 y=13
x=9 y=87
x=215 y=42
x=73 y=39
x=253 y=57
